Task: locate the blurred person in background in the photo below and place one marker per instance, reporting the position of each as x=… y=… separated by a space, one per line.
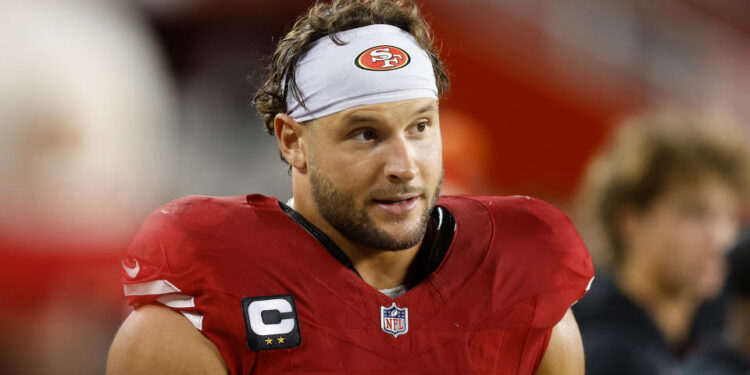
x=367 y=269
x=86 y=122
x=665 y=198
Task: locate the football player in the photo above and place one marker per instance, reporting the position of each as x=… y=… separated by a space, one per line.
x=367 y=269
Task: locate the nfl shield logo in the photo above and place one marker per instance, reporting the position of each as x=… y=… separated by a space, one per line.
x=394 y=320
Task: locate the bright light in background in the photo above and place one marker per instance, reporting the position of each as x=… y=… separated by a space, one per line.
x=86 y=121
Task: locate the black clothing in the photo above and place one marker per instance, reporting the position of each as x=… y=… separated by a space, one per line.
x=620 y=338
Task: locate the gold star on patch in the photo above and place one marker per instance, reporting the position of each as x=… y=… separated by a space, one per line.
x=269 y=341
x=281 y=340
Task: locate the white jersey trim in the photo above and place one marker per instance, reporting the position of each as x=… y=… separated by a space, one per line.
x=150 y=288
x=590 y=282
x=194 y=318
x=177 y=301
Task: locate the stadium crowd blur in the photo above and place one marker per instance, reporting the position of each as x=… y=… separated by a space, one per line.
x=108 y=108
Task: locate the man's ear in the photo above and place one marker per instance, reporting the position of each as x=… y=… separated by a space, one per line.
x=290 y=135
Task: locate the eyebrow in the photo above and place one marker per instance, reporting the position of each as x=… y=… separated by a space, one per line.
x=427 y=108
x=357 y=118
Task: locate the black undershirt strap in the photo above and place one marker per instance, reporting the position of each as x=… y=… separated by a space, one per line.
x=321 y=237
x=436 y=243
x=437 y=240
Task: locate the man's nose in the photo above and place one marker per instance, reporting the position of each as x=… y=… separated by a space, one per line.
x=401 y=165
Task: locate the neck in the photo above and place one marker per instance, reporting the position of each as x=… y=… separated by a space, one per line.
x=380 y=269
x=672 y=313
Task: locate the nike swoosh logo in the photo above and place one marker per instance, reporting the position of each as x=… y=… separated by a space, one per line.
x=132 y=272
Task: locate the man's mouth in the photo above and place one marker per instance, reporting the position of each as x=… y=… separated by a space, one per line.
x=397 y=205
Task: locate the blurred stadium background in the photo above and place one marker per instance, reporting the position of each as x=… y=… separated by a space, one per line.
x=109 y=108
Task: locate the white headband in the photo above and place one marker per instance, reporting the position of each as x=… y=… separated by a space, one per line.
x=378 y=64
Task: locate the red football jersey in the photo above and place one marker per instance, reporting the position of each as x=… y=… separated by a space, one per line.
x=274 y=300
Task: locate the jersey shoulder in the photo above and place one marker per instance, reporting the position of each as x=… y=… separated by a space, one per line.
x=529 y=218
x=533 y=222
x=537 y=254
x=181 y=240
x=179 y=222
x=197 y=212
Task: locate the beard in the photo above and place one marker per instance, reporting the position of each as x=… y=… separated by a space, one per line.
x=341 y=211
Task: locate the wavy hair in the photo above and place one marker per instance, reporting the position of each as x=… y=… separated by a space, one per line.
x=324 y=20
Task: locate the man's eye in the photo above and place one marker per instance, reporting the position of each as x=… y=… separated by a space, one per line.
x=418 y=128
x=364 y=136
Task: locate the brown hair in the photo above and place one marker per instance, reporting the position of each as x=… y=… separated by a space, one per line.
x=647 y=155
x=326 y=19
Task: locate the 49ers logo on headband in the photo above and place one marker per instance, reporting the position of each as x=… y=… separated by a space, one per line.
x=382 y=58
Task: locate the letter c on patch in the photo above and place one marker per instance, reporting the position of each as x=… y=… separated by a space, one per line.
x=254 y=314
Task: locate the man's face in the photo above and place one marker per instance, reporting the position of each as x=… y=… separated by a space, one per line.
x=682 y=238
x=375 y=171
